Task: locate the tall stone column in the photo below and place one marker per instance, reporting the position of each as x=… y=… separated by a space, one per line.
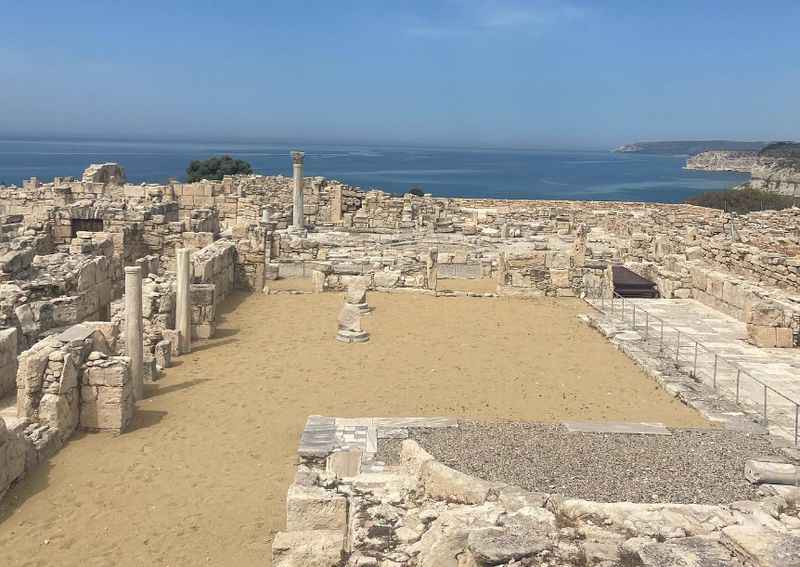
x=133 y=327
x=183 y=308
x=298 y=221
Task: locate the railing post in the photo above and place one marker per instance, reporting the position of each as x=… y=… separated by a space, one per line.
x=694 y=371
x=678 y=347
x=765 y=404
x=715 y=370
x=661 y=341
x=634 y=316
x=796 y=419
x=646 y=325
x=738 y=376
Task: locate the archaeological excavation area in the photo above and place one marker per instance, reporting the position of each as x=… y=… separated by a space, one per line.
x=282 y=371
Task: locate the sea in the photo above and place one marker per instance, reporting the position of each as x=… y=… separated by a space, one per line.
x=444 y=172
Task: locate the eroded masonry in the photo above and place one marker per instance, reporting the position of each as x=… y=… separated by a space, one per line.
x=103 y=283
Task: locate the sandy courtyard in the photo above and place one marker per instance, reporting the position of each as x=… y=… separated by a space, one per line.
x=201 y=478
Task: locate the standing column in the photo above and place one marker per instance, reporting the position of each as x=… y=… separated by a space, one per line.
x=133 y=327
x=297 y=165
x=183 y=309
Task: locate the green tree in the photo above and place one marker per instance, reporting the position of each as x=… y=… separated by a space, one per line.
x=416 y=190
x=216 y=167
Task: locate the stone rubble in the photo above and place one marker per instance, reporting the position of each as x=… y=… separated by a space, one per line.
x=424 y=514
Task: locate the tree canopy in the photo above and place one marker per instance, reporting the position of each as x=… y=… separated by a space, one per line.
x=417 y=191
x=215 y=168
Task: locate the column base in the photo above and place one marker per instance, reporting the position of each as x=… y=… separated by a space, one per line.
x=346 y=336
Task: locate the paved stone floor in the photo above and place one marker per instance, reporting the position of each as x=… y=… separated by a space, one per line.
x=688 y=322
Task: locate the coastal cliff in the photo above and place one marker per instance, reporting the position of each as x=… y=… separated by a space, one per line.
x=781 y=176
x=742 y=162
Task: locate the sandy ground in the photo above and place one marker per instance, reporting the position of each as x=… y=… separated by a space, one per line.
x=201 y=478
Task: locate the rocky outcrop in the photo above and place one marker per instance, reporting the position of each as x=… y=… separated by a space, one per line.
x=716 y=160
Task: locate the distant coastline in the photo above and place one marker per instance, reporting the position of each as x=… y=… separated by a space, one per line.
x=689 y=147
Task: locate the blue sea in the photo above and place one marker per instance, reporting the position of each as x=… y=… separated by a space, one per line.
x=493 y=173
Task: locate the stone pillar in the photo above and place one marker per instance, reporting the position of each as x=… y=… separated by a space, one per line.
x=432 y=268
x=298 y=221
x=183 y=309
x=133 y=328
x=337 y=203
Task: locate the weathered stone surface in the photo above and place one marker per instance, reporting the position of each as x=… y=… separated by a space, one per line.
x=760 y=472
x=314 y=508
x=763 y=547
x=317 y=548
x=698 y=551
x=443 y=483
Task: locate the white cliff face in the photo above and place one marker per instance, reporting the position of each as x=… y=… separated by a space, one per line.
x=726 y=161
x=776 y=176
x=766 y=173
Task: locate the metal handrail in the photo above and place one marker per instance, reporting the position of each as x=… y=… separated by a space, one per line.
x=697 y=345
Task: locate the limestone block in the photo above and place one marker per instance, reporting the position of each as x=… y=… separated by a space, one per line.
x=60 y=413
x=315 y=508
x=8 y=360
x=560 y=278
x=763 y=547
x=784 y=337
x=766 y=313
x=163 y=354
x=316 y=548
x=443 y=483
x=107 y=396
x=318 y=281
x=173 y=336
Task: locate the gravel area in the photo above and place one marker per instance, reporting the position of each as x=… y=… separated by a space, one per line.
x=704 y=466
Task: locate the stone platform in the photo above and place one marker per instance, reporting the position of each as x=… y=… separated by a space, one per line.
x=778 y=368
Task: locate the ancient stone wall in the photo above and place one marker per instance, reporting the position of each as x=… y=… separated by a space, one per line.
x=8 y=361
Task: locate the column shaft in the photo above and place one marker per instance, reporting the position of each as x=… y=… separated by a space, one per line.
x=133 y=328
x=183 y=308
x=298 y=219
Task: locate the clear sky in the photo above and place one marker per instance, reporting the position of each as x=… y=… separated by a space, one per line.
x=454 y=72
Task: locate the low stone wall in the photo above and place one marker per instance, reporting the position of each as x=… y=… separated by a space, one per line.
x=216 y=265
x=65 y=382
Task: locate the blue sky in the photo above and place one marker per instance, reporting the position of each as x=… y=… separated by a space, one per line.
x=454 y=72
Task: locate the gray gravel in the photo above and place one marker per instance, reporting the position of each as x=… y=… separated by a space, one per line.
x=690 y=466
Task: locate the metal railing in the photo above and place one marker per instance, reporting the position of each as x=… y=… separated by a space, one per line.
x=688 y=351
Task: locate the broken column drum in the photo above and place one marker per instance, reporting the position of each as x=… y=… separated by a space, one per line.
x=350 y=330
x=356 y=295
x=298 y=220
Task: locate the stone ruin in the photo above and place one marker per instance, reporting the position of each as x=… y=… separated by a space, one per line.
x=66 y=247
x=343 y=509
x=355 y=306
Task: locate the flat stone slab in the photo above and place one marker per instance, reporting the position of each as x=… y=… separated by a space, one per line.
x=76 y=333
x=616 y=427
x=319 y=437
